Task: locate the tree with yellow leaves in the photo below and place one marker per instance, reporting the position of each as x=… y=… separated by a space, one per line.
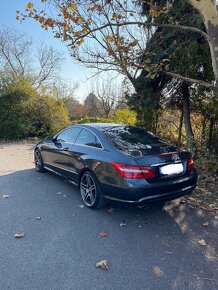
x=112 y=35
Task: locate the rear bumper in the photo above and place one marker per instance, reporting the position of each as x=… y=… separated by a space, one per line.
x=158 y=197
x=152 y=193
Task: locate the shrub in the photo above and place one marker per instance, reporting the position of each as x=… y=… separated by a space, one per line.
x=24 y=113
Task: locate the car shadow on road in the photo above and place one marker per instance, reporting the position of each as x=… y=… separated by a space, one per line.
x=146 y=248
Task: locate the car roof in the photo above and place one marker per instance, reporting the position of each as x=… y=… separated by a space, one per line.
x=100 y=125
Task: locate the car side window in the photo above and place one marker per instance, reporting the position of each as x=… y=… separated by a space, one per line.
x=88 y=138
x=69 y=135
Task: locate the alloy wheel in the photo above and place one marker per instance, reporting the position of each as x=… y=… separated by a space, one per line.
x=88 y=189
x=38 y=160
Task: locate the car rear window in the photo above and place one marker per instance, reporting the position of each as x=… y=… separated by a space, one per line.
x=129 y=137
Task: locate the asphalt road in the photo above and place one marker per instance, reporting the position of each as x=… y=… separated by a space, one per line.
x=155 y=250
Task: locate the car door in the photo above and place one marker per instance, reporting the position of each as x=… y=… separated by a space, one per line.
x=84 y=151
x=58 y=152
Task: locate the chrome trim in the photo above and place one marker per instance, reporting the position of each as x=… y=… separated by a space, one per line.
x=117 y=199
x=63 y=168
x=151 y=197
x=87 y=145
x=74 y=183
x=78 y=126
x=158 y=164
x=166 y=163
x=166 y=194
x=55 y=172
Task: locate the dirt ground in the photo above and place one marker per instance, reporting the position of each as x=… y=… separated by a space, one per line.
x=14 y=156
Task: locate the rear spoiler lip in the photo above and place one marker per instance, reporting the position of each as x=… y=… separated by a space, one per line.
x=169 y=154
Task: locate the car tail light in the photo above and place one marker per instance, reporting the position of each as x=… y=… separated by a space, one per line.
x=190 y=163
x=130 y=171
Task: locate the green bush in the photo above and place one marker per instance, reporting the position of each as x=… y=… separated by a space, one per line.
x=15 y=103
x=48 y=116
x=24 y=113
x=124 y=116
x=120 y=116
x=208 y=163
x=93 y=120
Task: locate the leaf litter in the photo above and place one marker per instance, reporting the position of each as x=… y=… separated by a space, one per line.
x=102 y=264
x=158 y=272
x=202 y=242
x=5 y=196
x=19 y=235
x=123 y=224
x=103 y=234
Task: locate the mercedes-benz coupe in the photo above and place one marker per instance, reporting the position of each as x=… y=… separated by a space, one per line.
x=117 y=162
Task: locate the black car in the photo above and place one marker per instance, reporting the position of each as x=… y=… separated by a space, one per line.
x=117 y=162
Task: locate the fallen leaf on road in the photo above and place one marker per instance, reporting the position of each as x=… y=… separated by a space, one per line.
x=191 y=199
x=158 y=271
x=81 y=205
x=111 y=209
x=102 y=264
x=38 y=218
x=202 y=243
x=206 y=224
x=182 y=201
x=19 y=235
x=103 y=234
x=5 y=196
x=123 y=224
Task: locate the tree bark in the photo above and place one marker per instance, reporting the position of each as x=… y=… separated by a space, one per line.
x=180 y=128
x=209 y=13
x=204 y=123
x=155 y=123
x=210 y=135
x=186 y=117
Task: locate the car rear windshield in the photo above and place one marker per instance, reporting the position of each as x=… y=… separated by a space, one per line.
x=129 y=137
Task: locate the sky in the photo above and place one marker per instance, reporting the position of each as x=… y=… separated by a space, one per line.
x=69 y=69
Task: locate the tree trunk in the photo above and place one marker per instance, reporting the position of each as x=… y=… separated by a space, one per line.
x=210 y=135
x=186 y=117
x=209 y=13
x=180 y=128
x=204 y=123
x=212 y=30
x=155 y=123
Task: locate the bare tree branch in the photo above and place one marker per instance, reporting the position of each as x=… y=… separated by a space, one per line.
x=145 y=24
x=17 y=57
x=189 y=80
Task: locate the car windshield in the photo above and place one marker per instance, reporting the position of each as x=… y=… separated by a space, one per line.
x=129 y=138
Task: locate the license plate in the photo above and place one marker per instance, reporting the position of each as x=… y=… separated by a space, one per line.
x=171 y=169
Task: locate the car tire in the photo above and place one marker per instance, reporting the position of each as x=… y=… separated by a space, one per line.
x=39 y=165
x=90 y=191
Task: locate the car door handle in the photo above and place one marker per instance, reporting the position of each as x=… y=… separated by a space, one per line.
x=66 y=149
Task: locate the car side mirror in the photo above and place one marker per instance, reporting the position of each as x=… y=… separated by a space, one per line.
x=49 y=139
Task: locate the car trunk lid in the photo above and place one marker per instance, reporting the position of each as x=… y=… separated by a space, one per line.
x=166 y=161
